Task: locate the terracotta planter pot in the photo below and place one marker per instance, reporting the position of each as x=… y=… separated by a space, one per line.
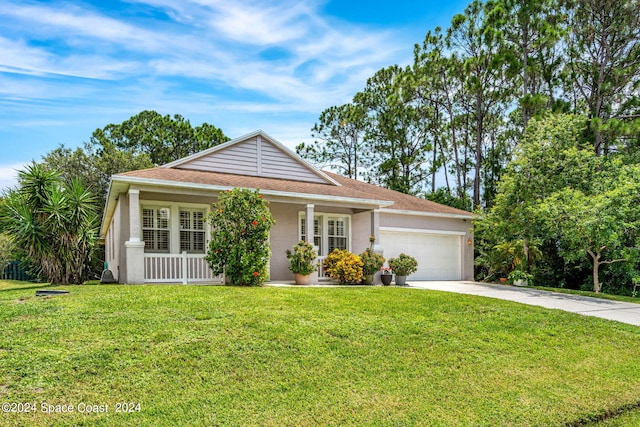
x=302 y=279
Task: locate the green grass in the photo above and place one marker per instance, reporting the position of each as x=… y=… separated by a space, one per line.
x=193 y=355
x=7 y=285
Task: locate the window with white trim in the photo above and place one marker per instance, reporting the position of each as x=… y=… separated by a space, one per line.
x=192 y=231
x=330 y=232
x=337 y=233
x=155 y=229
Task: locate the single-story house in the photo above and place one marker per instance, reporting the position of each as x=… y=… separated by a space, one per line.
x=155 y=230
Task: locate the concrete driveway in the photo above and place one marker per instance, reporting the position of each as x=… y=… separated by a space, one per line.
x=613 y=310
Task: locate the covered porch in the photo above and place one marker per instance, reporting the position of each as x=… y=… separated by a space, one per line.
x=166 y=236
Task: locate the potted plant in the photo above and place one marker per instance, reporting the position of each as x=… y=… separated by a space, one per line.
x=386 y=276
x=372 y=263
x=403 y=266
x=301 y=262
x=520 y=277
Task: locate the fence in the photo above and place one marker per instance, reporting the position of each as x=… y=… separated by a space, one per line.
x=15 y=271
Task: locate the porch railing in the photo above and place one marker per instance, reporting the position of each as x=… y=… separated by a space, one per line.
x=178 y=268
x=321 y=272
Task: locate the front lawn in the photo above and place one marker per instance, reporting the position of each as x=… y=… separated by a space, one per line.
x=196 y=355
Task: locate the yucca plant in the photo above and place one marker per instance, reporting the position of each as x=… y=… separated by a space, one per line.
x=54 y=224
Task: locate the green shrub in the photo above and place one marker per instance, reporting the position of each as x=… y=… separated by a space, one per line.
x=344 y=266
x=239 y=247
x=372 y=262
x=301 y=259
x=516 y=275
x=404 y=265
x=7 y=250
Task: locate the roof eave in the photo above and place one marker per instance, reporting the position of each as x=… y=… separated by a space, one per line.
x=429 y=214
x=152 y=182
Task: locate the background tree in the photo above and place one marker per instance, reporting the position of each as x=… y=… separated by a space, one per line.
x=53 y=224
x=532 y=32
x=341 y=132
x=93 y=167
x=604 y=59
x=397 y=132
x=602 y=226
x=163 y=138
x=441 y=82
x=140 y=142
x=549 y=158
x=561 y=200
x=486 y=74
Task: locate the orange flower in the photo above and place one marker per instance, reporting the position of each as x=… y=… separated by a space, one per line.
x=254 y=222
x=256 y=274
x=260 y=196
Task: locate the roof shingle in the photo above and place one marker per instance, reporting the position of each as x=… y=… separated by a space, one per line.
x=348 y=187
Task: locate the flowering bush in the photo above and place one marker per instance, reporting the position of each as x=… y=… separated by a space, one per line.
x=301 y=258
x=239 y=247
x=343 y=266
x=404 y=265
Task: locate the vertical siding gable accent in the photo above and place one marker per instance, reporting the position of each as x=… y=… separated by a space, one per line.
x=255 y=156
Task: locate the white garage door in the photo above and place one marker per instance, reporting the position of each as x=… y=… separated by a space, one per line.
x=439 y=256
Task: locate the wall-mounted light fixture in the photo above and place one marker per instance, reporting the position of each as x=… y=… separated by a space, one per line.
x=469 y=241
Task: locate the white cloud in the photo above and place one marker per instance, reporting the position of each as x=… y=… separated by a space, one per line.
x=241 y=65
x=9 y=176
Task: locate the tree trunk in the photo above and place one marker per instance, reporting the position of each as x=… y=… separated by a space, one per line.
x=478 y=154
x=595 y=257
x=596 y=276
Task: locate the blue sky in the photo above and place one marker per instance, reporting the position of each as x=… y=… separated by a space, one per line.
x=67 y=68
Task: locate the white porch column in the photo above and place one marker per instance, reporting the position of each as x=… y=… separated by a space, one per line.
x=135 y=231
x=309 y=232
x=134 y=247
x=377 y=247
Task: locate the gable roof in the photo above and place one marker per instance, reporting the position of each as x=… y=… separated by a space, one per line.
x=254 y=154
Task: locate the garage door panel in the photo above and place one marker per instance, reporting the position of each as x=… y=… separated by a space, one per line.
x=438 y=256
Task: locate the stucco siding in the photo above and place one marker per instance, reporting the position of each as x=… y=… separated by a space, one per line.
x=361 y=231
x=284 y=235
x=112 y=243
